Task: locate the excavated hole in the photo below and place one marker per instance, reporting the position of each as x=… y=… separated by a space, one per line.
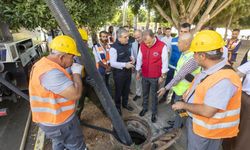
x=137 y=138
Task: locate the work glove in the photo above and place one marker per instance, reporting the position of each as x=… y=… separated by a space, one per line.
x=76 y=68
x=129 y=65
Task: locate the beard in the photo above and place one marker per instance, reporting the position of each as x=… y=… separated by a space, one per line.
x=104 y=41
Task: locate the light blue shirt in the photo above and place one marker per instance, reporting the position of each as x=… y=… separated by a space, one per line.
x=55 y=81
x=219 y=95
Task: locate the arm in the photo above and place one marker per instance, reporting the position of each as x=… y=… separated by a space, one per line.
x=139 y=61
x=189 y=67
x=113 y=60
x=164 y=59
x=75 y=90
x=244 y=69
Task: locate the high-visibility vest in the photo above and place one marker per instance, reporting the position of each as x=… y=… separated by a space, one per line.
x=103 y=55
x=46 y=106
x=224 y=124
x=183 y=85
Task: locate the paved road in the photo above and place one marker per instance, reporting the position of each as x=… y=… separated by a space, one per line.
x=12 y=126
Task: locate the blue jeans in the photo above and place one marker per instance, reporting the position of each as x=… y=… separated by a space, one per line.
x=66 y=136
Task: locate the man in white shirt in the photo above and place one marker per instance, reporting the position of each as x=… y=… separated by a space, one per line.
x=167 y=38
x=134 y=50
x=152 y=65
x=122 y=63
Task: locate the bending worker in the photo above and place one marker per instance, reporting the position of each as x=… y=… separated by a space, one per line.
x=213 y=100
x=53 y=95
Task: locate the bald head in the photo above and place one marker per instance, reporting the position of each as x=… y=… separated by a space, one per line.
x=184 y=41
x=138 y=36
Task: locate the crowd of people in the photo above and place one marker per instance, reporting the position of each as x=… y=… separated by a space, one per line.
x=209 y=98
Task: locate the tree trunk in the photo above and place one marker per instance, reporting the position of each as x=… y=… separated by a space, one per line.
x=228 y=26
x=5 y=34
x=148 y=19
x=135 y=21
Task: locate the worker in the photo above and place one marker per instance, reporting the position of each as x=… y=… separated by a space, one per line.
x=135 y=49
x=180 y=87
x=233 y=46
x=101 y=53
x=241 y=142
x=167 y=37
x=175 y=54
x=122 y=63
x=53 y=94
x=152 y=65
x=111 y=36
x=213 y=99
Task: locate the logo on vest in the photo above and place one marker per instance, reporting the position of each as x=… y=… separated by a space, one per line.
x=155 y=54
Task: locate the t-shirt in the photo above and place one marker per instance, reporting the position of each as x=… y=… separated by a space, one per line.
x=245 y=69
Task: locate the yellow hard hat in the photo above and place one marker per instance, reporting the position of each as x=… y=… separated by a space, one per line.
x=64 y=43
x=206 y=40
x=83 y=34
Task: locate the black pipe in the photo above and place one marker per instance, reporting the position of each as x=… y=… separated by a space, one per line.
x=13 y=88
x=68 y=27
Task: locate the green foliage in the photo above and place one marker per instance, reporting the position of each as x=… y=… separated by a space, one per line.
x=33 y=13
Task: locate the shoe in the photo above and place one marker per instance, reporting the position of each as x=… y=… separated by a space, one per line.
x=168 y=129
x=143 y=112
x=119 y=111
x=136 y=97
x=162 y=100
x=129 y=108
x=154 y=118
x=170 y=122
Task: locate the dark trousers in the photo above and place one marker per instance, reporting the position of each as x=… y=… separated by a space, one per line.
x=122 y=79
x=106 y=80
x=170 y=75
x=241 y=142
x=66 y=136
x=178 y=121
x=150 y=85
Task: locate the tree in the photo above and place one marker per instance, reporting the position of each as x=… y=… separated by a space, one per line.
x=197 y=12
x=33 y=13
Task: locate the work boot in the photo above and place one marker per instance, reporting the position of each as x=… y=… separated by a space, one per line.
x=136 y=97
x=154 y=118
x=143 y=112
x=129 y=108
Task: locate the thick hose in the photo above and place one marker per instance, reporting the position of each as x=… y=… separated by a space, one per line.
x=68 y=27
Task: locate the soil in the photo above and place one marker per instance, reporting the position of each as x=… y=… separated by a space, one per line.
x=96 y=140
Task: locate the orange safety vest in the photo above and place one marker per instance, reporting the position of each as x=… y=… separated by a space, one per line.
x=102 y=54
x=224 y=124
x=46 y=106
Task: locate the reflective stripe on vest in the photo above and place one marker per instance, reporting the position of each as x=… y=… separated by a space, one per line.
x=224 y=124
x=216 y=126
x=48 y=100
x=52 y=111
x=183 y=85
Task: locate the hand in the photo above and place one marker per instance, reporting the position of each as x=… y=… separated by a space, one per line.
x=129 y=65
x=108 y=69
x=132 y=60
x=178 y=105
x=76 y=68
x=161 y=92
x=161 y=80
x=138 y=76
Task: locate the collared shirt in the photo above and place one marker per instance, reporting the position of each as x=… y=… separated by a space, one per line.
x=164 y=59
x=113 y=59
x=245 y=69
x=167 y=41
x=219 y=95
x=187 y=68
x=135 y=49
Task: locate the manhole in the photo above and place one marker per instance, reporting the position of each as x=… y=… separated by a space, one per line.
x=139 y=131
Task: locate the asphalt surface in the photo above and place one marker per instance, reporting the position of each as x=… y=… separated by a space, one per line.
x=12 y=126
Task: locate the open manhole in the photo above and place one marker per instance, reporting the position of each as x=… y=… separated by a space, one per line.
x=139 y=131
